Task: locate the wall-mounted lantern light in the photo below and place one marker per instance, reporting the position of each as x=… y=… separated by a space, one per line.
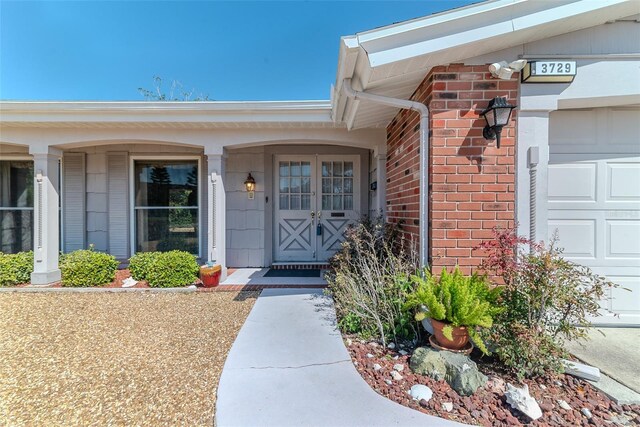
x=497 y=115
x=250 y=185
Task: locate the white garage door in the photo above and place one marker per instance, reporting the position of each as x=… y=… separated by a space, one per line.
x=594 y=198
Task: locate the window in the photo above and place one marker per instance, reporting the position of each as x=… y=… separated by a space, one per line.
x=166 y=205
x=16 y=206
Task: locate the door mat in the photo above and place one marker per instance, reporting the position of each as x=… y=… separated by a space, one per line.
x=313 y=272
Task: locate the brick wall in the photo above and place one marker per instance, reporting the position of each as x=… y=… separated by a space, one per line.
x=472 y=182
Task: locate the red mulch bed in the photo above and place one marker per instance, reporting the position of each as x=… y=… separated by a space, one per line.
x=488 y=407
x=121 y=275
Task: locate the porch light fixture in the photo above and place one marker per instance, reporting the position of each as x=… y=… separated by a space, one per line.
x=250 y=185
x=497 y=115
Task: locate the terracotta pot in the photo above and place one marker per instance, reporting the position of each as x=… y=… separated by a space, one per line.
x=460 y=336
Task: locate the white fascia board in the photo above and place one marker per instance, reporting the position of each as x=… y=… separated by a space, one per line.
x=478 y=26
x=185 y=112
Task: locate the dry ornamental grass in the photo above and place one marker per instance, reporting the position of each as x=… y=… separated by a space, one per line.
x=115 y=358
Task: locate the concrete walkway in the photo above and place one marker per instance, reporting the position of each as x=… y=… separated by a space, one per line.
x=255 y=276
x=289 y=367
x=615 y=351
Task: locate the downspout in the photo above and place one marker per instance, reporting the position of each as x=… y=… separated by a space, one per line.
x=424 y=154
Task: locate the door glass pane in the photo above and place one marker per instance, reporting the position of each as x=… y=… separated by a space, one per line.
x=167 y=229
x=16 y=230
x=337 y=168
x=284 y=168
x=295 y=202
x=337 y=185
x=284 y=185
x=306 y=168
x=284 y=202
x=348 y=202
x=306 y=185
x=295 y=168
x=348 y=185
x=295 y=185
x=348 y=168
x=166 y=183
x=326 y=185
x=326 y=202
x=337 y=202
x=326 y=168
x=305 y=202
x=16 y=184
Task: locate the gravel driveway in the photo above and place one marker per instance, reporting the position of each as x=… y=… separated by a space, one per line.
x=115 y=358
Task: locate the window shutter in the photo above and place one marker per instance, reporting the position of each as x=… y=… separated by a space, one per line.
x=73 y=201
x=118 y=204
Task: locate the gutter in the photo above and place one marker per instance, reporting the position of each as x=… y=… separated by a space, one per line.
x=424 y=154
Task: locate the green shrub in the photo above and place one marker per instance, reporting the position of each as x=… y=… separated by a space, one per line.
x=141 y=263
x=86 y=267
x=363 y=282
x=15 y=268
x=172 y=269
x=546 y=301
x=455 y=299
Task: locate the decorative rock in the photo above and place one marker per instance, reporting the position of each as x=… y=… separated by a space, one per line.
x=349 y=342
x=373 y=344
x=586 y=413
x=421 y=392
x=395 y=357
x=581 y=370
x=457 y=369
x=423 y=403
x=376 y=367
x=396 y=375
x=425 y=361
x=388 y=382
x=543 y=387
x=129 y=282
x=398 y=367
x=391 y=345
x=564 y=405
x=520 y=399
x=447 y=406
x=546 y=407
x=402 y=352
x=369 y=356
x=496 y=385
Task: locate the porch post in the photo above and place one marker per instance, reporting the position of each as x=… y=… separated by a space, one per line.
x=46 y=223
x=216 y=221
x=533 y=133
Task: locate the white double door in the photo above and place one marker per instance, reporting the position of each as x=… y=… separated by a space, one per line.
x=316 y=199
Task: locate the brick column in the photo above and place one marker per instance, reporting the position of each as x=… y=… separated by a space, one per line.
x=472 y=183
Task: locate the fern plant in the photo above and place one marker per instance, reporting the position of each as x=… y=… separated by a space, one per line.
x=455 y=299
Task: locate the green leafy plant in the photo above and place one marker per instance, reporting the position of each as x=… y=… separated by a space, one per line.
x=455 y=299
x=141 y=263
x=87 y=267
x=363 y=282
x=546 y=301
x=172 y=269
x=15 y=268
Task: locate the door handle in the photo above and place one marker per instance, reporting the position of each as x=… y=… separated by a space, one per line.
x=319 y=214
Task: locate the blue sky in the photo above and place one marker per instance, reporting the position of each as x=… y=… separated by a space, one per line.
x=241 y=50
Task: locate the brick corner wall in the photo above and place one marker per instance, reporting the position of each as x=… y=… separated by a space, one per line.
x=472 y=182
